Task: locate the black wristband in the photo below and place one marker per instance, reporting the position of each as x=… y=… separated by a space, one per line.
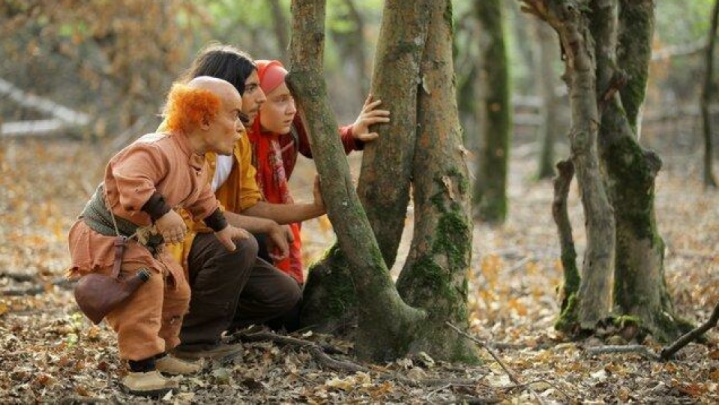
x=216 y=220
x=156 y=206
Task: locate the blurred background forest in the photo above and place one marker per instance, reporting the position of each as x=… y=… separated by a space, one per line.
x=107 y=65
x=93 y=75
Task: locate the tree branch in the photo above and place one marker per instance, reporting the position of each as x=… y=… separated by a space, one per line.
x=668 y=352
x=506 y=369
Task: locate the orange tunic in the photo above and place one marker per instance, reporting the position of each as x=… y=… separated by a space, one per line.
x=149 y=322
x=155 y=162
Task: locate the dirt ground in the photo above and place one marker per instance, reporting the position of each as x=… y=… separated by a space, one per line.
x=50 y=353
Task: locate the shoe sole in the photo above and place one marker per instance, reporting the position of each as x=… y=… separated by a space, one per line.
x=175 y=373
x=149 y=393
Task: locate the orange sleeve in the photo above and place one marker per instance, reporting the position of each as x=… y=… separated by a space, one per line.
x=135 y=174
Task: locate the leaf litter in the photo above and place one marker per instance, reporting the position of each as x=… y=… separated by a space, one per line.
x=50 y=353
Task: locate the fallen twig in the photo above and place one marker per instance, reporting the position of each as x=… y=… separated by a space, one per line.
x=668 y=352
x=319 y=352
x=506 y=369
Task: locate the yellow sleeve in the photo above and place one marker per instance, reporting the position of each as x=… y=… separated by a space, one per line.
x=249 y=191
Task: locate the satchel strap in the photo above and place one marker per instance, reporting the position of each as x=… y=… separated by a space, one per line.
x=120 y=243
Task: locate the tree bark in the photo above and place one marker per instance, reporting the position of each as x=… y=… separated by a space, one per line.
x=640 y=288
x=570 y=287
x=387 y=162
x=434 y=276
x=490 y=192
x=384 y=180
x=709 y=180
x=548 y=52
x=594 y=299
x=385 y=323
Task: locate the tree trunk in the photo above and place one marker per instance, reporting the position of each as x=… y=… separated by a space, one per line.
x=709 y=180
x=387 y=327
x=594 y=299
x=386 y=163
x=280 y=25
x=640 y=289
x=385 y=323
x=570 y=286
x=548 y=52
x=490 y=193
x=466 y=68
x=434 y=276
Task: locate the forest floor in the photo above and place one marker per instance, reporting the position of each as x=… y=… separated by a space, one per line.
x=50 y=353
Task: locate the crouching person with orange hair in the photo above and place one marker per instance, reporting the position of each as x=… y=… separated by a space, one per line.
x=142 y=185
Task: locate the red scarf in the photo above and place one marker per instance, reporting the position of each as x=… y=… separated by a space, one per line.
x=272 y=181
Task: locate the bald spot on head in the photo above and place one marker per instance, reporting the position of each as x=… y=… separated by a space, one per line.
x=223 y=89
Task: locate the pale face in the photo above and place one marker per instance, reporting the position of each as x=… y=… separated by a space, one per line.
x=253 y=97
x=279 y=111
x=227 y=128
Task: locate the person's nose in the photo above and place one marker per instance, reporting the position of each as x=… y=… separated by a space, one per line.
x=240 y=127
x=261 y=97
x=292 y=109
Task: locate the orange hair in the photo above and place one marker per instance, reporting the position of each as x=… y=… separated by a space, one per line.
x=188 y=106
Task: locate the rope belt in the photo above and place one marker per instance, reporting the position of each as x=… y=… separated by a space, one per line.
x=99 y=218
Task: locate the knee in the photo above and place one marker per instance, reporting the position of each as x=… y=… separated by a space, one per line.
x=289 y=294
x=247 y=247
x=243 y=257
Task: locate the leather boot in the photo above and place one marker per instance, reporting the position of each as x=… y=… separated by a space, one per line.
x=170 y=364
x=148 y=384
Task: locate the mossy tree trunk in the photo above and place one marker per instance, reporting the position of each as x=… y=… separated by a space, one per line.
x=385 y=323
x=388 y=328
x=593 y=300
x=434 y=275
x=709 y=180
x=640 y=289
x=617 y=35
x=490 y=191
x=384 y=181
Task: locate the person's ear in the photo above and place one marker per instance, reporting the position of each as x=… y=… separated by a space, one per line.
x=205 y=122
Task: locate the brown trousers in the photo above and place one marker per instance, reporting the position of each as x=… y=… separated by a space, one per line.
x=232 y=289
x=148 y=323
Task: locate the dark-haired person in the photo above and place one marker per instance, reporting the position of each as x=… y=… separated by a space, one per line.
x=230 y=294
x=233 y=291
x=142 y=184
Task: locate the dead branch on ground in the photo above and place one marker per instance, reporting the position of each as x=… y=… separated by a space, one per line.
x=668 y=352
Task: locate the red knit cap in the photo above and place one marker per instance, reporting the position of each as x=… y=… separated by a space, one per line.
x=271 y=73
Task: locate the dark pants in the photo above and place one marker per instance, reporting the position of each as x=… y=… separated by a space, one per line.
x=262 y=251
x=233 y=289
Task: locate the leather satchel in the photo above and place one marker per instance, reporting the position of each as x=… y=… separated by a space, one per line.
x=97 y=294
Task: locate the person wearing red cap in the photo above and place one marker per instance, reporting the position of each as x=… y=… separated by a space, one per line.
x=278 y=136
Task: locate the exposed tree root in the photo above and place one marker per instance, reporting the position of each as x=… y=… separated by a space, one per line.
x=319 y=352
